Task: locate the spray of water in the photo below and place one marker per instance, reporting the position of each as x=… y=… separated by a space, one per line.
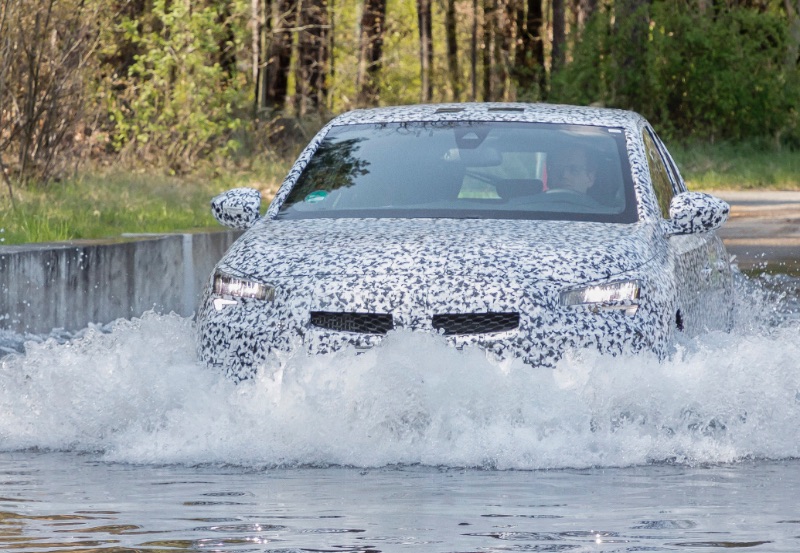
x=134 y=392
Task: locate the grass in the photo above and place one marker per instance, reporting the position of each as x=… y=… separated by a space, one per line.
x=109 y=203
x=738 y=167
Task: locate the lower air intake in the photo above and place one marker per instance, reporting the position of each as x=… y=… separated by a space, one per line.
x=475 y=323
x=361 y=323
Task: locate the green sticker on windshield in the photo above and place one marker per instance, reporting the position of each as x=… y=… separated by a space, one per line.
x=316 y=196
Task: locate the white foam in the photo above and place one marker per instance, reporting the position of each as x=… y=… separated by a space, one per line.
x=136 y=394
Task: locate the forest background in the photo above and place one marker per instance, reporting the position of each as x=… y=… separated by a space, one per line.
x=128 y=114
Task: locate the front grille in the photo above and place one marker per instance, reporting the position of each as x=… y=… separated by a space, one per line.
x=361 y=323
x=475 y=323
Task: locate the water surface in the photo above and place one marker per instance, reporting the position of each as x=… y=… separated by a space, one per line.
x=117 y=440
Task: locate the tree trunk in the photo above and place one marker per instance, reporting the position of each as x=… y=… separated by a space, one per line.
x=312 y=56
x=583 y=10
x=632 y=27
x=425 y=49
x=276 y=71
x=793 y=42
x=530 y=69
x=5 y=61
x=452 y=49
x=559 y=36
x=473 y=53
x=331 y=50
x=226 y=43
x=519 y=39
x=489 y=8
x=506 y=28
x=373 y=26
x=255 y=40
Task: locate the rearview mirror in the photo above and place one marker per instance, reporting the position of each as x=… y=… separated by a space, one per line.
x=693 y=212
x=238 y=208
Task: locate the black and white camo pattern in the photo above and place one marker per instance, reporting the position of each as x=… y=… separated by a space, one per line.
x=418 y=268
x=238 y=209
x=689 y=213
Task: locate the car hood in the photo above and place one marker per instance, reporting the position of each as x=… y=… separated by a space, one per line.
x=563 y=251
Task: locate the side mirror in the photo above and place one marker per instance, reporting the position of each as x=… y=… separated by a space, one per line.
x=693 y=212
x=237 y=208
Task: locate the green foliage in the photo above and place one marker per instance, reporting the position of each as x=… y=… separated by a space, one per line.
x=588 y=78
x=720 y=77
x=178 y=100
x=401 y=76
x=172 y=82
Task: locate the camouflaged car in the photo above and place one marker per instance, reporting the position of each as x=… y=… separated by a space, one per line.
x=525 y=229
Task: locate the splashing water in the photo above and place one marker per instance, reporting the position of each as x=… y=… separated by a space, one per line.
x=134 y=392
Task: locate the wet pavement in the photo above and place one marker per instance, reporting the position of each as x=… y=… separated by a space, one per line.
x=763 y=230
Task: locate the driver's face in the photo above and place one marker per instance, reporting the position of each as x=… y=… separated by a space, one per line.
x=572 y=172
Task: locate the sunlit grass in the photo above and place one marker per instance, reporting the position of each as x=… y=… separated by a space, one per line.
x=102 y=205
x=738 y=167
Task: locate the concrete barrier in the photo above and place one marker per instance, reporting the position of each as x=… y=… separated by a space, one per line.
x=72 y=284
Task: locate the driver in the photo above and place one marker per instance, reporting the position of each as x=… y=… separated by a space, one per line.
x=573 y=170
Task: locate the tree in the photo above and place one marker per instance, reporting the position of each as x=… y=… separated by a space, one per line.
x=451 y=40
x=632 y=25
x=256 y=47
x=529 y=59
x=45 y=48
x=559 y=36
x=792 y=8
x=177 y=101
x=174 y=79
x=373 y=26
x=473 y=53
x=504 y=46
x=226 y=40
x=425 y=25
x=275 y=75
x=582 y=10
x=312 y=56
x=487 y=48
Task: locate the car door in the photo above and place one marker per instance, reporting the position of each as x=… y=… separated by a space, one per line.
x=699 y=260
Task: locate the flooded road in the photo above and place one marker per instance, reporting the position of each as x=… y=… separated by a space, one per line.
x=117 y=440
x=68 y=502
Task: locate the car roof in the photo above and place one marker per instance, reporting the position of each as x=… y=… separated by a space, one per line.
x=495 y=111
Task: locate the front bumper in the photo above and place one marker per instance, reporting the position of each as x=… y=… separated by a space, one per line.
x=242 y=336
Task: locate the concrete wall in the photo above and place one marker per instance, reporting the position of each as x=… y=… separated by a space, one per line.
x=69 y=285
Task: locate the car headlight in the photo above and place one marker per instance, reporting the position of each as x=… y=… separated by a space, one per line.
x=616 y=296
x=232 y=287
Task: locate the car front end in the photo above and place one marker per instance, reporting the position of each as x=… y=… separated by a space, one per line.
x=526 y=230
x=355 y=282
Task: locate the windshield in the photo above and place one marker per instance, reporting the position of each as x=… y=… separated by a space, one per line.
x=491 y=170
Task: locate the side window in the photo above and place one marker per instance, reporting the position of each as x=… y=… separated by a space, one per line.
x=662 y=185
x=678 y=184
